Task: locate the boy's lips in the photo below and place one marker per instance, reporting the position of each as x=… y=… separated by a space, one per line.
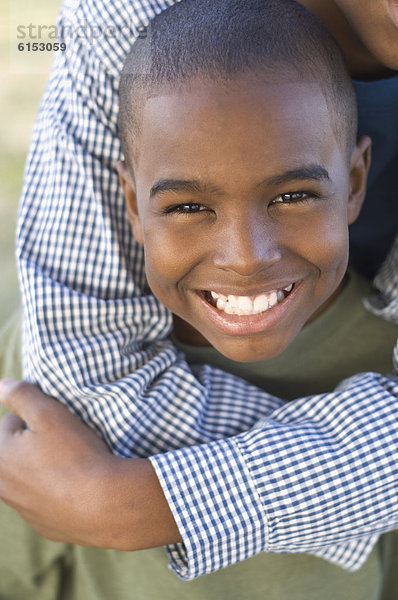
x=264 y=310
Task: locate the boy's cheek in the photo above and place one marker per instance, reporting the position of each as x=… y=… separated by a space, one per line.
x=166 y=264
x=327 y=250
x=171 y=252
x=325 y=243
x=163 y=262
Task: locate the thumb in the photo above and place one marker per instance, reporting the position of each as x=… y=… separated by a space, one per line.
x=26 y=401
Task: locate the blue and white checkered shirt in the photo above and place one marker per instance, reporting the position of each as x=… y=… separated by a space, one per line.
x=243 y=471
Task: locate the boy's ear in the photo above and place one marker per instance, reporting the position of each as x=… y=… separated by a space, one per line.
x=359 y=168
x=131 y=200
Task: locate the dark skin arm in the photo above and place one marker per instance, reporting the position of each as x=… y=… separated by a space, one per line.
x=114 y=503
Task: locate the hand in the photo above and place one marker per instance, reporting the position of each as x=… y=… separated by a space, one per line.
x=63 y=480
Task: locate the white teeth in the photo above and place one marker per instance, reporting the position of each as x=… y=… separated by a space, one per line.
x=272 y=299
x=245 y=305
x=232 y=300
x=260 y=303
x=221 y=304
x=229 y=309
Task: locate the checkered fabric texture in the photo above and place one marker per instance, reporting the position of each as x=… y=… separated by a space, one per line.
x=243 y=471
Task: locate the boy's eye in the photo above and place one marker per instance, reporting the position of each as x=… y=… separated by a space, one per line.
x=291 y=197
x=188 y=208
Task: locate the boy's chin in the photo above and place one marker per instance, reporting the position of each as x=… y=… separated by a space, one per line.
x=252 y=350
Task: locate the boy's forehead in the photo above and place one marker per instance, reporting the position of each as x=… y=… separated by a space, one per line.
x=211 y=96
x=233 y=116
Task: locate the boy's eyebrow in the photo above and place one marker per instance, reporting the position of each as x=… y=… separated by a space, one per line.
x=312 y=171
x=181 y=185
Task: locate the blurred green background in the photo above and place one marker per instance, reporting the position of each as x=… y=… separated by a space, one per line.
x=23 y=79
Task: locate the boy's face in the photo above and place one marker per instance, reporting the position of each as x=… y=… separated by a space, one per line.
x=242 y=198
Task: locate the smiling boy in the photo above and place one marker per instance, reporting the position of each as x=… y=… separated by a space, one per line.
x=243 y=216
x=244 y=220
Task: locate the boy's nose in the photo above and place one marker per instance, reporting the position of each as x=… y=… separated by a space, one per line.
x=247 y=246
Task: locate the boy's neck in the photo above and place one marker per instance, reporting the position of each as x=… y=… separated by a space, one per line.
x=185 y=333
x=361 y=63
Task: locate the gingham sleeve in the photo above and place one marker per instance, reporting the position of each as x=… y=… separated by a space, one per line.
x=96 y=339
x=296 y=482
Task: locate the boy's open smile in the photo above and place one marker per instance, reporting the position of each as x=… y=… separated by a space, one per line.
x=253 y=304
x=242 y=198
x=246 y=315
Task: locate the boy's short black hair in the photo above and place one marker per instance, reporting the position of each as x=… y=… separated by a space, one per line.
x=220 y=39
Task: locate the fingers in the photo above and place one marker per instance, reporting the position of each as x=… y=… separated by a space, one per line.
x=26 y=401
